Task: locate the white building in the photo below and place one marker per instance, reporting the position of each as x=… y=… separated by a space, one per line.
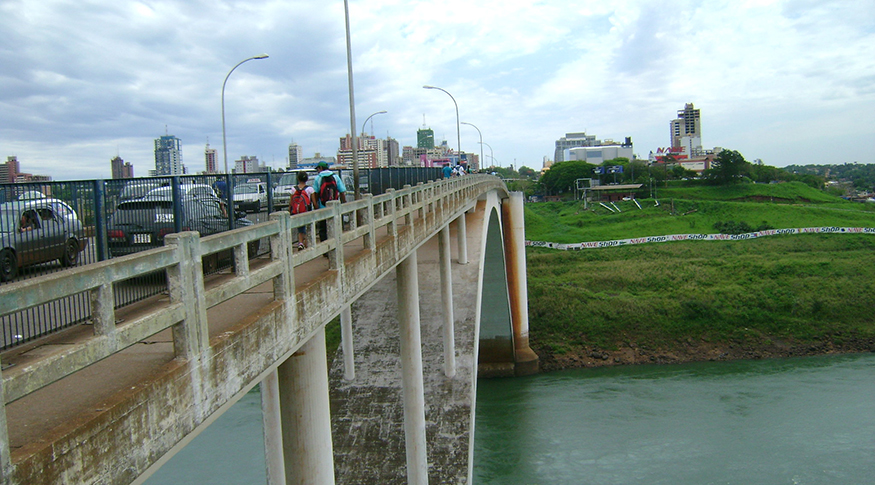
x=597 y=155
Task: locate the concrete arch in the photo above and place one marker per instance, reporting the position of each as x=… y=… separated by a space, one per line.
x=493 y=328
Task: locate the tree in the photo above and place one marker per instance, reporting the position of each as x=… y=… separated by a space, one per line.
x=526 y=172
x=562 y=176
x=728 y=167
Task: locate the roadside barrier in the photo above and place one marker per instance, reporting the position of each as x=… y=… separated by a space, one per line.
x=699 y=237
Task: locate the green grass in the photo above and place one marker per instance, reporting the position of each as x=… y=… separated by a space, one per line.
x=798 y=287
x=801 y=288
x=570 y=222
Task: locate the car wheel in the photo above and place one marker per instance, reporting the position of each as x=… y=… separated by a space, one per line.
x=8 y=265
x=71 y=253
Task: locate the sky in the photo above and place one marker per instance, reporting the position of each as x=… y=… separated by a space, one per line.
x=82 y=81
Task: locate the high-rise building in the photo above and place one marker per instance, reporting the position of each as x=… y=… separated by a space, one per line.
x=210 y=159
x=393 y=154
x=296 y=154
x=425 y=138
x=686 y=130
x=248 y=164
x=121 y=169
x=370 y=152
x=573 y=140
x=168 y=156
x=9 y=170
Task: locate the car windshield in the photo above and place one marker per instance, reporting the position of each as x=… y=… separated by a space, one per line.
x=8 y=220
x=246 y=189
x=288 y=179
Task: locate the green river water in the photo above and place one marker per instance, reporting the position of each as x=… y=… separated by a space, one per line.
x=787 y=421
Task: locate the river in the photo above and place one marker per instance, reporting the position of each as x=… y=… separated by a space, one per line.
x=793 y=421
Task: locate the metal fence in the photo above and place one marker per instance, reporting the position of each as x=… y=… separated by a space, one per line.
x=49 y=226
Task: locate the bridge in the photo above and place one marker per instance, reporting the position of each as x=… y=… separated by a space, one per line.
x=112 y=400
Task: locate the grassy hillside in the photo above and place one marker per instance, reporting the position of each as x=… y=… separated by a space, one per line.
x=565 y=222
x=808 y=291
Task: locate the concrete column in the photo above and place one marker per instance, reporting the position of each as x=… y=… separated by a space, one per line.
x=462 y=235
x=447 y=297
x=273 y=431
x=411 y=370
x=185 y=282
x=525 y=359
x=5 y=459
x=306 y=415
x=346 y=343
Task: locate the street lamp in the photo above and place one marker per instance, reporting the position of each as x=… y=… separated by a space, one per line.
x=481 y=139
x=458 y=128
x=224 y=142
x=369 y=117
x=491 y=157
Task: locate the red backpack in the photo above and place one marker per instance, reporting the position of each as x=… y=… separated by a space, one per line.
x=299 y=202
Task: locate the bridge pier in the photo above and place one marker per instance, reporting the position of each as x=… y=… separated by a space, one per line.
x=525 y=359
x=305 y=414
x=272 y=423
x=447 y=298
x=411 y=370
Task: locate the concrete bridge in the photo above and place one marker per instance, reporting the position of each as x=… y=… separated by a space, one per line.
x=112 y=400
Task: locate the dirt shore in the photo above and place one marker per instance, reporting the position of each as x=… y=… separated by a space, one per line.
x=698 y=351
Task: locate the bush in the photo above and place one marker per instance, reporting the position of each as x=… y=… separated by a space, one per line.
x=732 y=227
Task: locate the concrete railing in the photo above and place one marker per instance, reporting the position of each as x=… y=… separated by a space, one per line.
x=366 y=238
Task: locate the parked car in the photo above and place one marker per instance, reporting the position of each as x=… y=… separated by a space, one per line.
x=187 y=190
x=141 y=224
x=35 y=231
x=250 y=197
x=282 y=193
x=137 y=189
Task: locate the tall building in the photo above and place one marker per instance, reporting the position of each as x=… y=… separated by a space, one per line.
x=393 y=154
x=248 y=164
x=686 y=130
x=296 y=154
x=121 y=169
x=210 y=159
x=9 y=170
x=425 y=138
x=168 y=156
x=573 y=140
x=370 y=152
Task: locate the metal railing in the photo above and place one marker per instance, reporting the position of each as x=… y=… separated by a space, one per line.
x=84 y=211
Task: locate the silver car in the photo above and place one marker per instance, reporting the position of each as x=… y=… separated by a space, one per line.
x=38 y=231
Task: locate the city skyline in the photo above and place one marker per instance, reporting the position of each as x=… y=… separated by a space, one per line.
x=775 y=81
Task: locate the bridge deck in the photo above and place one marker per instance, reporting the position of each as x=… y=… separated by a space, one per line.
x=61 y=407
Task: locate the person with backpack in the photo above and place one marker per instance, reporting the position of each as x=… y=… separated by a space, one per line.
x=327 y=186
x=302 y=200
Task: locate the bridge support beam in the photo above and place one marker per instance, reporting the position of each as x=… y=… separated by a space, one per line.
x=447 y=297
x=346 y=343
x=525 y=359
x=462 y=235
x=411 y=370
x=273 y=436
x=306 y=415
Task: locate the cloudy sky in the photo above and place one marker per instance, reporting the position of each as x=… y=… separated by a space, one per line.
x=785 y=81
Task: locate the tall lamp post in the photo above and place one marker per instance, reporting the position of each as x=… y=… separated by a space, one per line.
x=491 y=157
x=481 y=139
x=458 y=128
x=369 y=117
x=224 y=141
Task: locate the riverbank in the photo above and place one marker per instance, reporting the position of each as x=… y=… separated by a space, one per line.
x=702 y=301
x=698 y=350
